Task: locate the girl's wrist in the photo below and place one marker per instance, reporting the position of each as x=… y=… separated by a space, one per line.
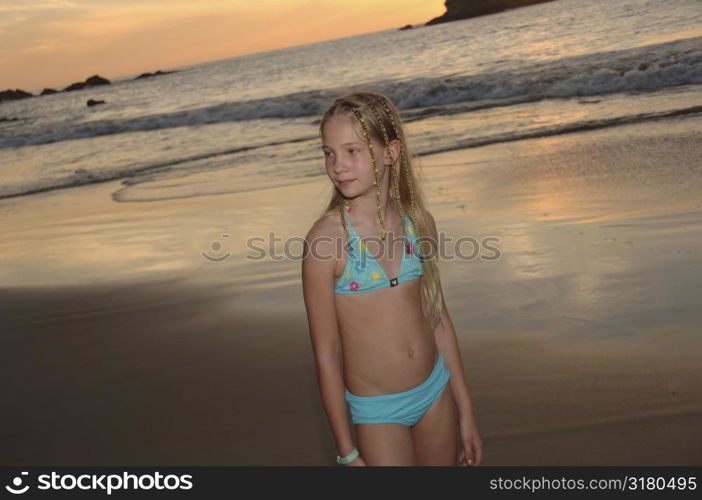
x=466 y=411
x=346 y=448
x=347 y=458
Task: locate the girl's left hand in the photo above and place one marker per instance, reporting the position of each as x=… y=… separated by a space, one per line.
x=472 y=452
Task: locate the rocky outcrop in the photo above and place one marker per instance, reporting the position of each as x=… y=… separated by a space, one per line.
x=406 y=27
x=463 y=9
x=158 y=73
x=13 y=95
x=93 y=81
x=74 y=86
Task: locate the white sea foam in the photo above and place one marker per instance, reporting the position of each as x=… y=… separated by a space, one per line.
x=641 y=69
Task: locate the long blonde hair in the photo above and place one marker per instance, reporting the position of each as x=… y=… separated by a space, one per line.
x=383 y=123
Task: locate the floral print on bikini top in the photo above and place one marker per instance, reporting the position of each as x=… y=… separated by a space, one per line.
x=363 y=273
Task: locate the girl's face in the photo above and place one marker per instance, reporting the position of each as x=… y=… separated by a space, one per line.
x=347 y=159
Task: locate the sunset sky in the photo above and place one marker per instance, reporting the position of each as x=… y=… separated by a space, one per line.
x=52 y=43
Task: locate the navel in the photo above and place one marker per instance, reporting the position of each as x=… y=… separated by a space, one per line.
x=411 y=353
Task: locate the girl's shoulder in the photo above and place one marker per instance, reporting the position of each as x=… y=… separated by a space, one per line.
x=322 y=240
x=328 y=225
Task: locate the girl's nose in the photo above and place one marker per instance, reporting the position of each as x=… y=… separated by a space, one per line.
x=338 y=165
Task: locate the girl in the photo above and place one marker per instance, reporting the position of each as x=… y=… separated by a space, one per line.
x=381 y=335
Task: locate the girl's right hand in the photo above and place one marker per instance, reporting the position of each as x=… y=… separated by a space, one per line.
x=357 y=462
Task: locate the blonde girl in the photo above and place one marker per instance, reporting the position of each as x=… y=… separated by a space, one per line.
x=382 y=338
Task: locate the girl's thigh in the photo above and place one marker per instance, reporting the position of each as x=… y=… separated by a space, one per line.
x=436 y=433
x=385 y=444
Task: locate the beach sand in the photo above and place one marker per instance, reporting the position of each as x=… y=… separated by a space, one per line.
x=122 y=345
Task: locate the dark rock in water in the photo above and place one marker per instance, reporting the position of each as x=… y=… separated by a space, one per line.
x=158 y=73
x=48 y=92
x=464 y=9
x=8 y=119
x=74 y=86
x=93 y=81
x=406 y=27
x=13 y=95
x=96 y=80
x=83 y=176
x=92 y=102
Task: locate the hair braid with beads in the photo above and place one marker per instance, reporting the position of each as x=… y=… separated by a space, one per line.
x=395 y=164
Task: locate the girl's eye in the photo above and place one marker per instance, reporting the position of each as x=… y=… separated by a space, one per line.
x=354 y=151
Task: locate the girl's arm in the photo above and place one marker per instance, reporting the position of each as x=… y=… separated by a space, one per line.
x=447 y=343
x=318 y=290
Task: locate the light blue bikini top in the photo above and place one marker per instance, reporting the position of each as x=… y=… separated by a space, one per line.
x=363 y=273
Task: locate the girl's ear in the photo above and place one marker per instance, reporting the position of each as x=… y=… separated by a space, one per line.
x=394 y=150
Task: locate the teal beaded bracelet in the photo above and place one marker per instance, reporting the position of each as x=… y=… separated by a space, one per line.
x=348 y=458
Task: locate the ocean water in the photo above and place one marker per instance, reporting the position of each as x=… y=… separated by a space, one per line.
x=251 y=122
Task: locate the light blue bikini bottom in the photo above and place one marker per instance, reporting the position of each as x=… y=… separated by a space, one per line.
x=407 y=407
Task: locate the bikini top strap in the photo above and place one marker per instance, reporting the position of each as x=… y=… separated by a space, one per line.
x=349 y=226
x=409 y=224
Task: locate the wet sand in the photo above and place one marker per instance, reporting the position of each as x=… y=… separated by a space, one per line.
x=122 y=345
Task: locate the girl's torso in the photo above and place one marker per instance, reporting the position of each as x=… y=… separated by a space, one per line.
x=387 y=343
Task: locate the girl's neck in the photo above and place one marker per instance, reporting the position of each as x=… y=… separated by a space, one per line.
x=366 y=209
